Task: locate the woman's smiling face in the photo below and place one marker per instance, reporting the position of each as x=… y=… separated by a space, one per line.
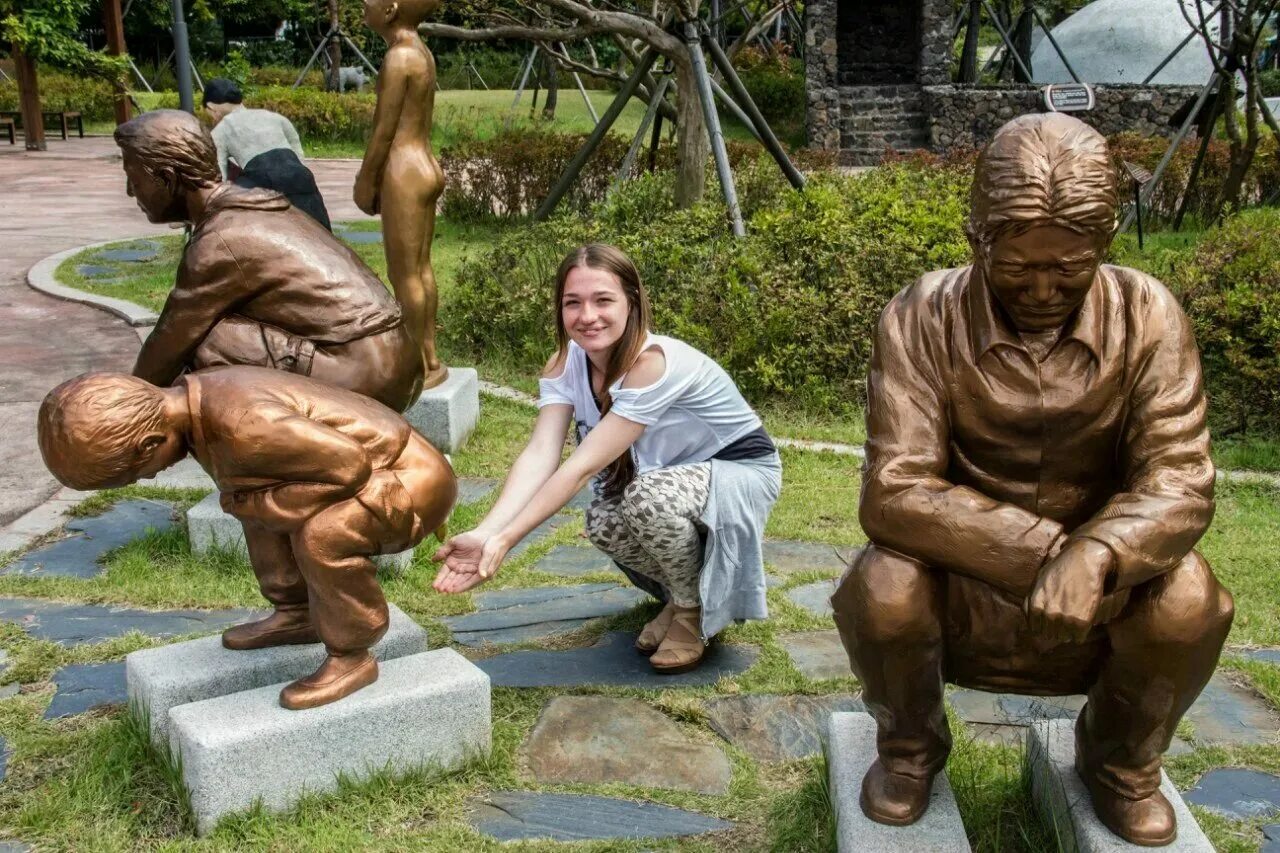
x=594 y=309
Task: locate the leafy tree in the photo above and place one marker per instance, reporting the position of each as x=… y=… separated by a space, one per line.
x=47 y=31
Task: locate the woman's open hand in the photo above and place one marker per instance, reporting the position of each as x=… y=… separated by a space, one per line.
x=470 y=559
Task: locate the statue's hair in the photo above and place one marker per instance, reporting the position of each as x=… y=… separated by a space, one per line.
x=173 y=146
x=1045 y=168
x=89 y=428
x=416 y=11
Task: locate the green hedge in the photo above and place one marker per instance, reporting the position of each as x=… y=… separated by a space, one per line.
x=789 y=310
x=90 y=96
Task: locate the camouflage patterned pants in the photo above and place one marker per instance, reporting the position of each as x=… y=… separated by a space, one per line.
x=652 y=529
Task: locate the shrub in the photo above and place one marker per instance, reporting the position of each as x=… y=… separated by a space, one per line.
x=1230 y=289
x=92 y=97
x=789 y=311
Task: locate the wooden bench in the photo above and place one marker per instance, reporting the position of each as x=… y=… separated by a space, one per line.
x=62 y=120
x=6 y=124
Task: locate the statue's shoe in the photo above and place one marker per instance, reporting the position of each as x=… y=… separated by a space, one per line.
x=281 y=628
x=338 y=676
x=1149 y=822
x=892 y=798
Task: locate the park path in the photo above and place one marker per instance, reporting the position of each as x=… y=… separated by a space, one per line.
x=65 y=197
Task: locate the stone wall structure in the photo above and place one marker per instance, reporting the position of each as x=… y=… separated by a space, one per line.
x=879 y=77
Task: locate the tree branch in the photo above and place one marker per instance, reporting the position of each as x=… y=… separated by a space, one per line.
x=510 y=31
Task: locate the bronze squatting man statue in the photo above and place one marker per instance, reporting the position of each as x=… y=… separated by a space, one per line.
x=260 y=282
x=321 y=478
x=1037 y=476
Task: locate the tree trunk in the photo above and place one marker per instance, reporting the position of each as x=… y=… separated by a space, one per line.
x=1022 y=41
x=692 y=145
x=553 y=86
x=29 y=98
x=332 y=84
x=113 y=21
x=969 y=55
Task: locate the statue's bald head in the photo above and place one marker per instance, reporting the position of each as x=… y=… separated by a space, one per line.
x=1045 y=168
x=172 y=146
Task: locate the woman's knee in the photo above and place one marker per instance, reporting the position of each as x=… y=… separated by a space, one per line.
x=886 y=597
x=659 y=501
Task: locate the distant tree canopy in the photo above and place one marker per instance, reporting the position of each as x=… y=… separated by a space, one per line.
x=48 y=31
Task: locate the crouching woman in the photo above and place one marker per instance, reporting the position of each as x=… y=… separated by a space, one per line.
x=682 y=471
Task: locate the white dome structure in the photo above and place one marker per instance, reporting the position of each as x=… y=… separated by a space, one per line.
x=1122 y=41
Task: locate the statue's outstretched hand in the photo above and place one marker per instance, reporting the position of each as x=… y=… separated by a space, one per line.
x=1063 y=606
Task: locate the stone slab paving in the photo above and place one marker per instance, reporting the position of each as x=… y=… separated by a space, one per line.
x=1238 y=793
x=597 y=740
x=814 y=597
x=789 y=556
x=571 y=561
x=78 y=624
x=817 y=654
x=83 y=687
x=1264 y=655
x=136 y=252
x=518 y=615
x=1225 y=714
x=358 y=237
x=4 y=758
x=89 y=539
x=611 y=661
x=777 y=728
x=1271 y=832
x=472 y=489
x=523 y=815
x=542 y=531
x=102 y=274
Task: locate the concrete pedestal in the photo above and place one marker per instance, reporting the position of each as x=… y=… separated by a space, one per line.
x=1063 y=802
x=851 y=748
x=429 y=710
x=447 y=414
x=208 y=527
x=168 y=676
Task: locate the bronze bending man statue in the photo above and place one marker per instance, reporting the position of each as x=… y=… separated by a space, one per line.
x=321 y=478
x=260 y=283
x=1037 y=476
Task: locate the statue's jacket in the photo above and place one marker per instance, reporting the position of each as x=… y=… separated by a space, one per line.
x=980 y=458
x=253 y=255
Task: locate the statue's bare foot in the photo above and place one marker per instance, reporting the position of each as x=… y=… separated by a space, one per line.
x=340 y=675
x=284 y=627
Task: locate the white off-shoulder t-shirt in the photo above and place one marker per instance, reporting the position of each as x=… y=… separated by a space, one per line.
x=690 y=414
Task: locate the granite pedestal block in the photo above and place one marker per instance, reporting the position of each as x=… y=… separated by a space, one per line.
x=851 y=748
x=209 y=527
x=1062 y=799
x=430 y=710
x=447 y=414
x=168 y=676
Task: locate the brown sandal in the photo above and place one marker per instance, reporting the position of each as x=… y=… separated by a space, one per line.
x=653 y=633
x=682 y=649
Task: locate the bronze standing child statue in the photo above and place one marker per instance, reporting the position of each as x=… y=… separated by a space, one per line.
x=321 y=478
x=1037 y=477
x=400 y=178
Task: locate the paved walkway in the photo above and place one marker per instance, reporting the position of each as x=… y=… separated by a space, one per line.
x=70 y=195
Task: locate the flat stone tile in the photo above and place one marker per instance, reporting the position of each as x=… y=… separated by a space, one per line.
x=1225 y=714
x=814 y=597
x=521 y=815
x=571 y=561
x=542 y=531
x=83 y=687
x=777 y=728
x=518 y=615
x=143 y=250
x=359 y=238
x=1237 y=793
x=4 y=758
x=1271 y=832
x=1009 y=709
x=96 y=271
x=597 y=740
x=817 y=654
x=78 y=555
x=519 y=634
x=501 y=599
x=1264 y=655
x=789 y=556
x=472 y=489
x=613 y=661
x=77 y=624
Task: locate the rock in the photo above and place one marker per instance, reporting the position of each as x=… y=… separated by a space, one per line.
x=90 y=539
x=82 y=687
x=777 y=728
x=425 y=710
x=1063 y=801
x=520 y=815
x=447 y=414
x=78 y=624
x=1010 y=709
x=472 y=489
x=596 y=740
x=611 y=661
x=570 y=561
x=1225 y=714
x=168 y=676
x=814 y=597
x=525 y=614
x=1238 y=793
x=789 y=556
x=851 y=748
x=8 y=691
x=817 y=654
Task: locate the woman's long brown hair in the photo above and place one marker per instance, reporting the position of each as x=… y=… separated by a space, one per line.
x=610 y=259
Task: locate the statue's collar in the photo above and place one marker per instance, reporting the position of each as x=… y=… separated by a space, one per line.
x=988 y=327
